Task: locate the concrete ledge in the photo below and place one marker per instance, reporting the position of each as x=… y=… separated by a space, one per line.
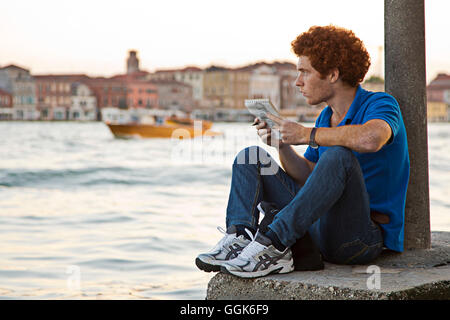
x=413 y=274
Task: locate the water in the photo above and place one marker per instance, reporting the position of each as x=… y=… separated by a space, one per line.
x=87 y=216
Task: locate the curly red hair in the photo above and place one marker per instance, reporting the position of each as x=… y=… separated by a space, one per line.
x=334 y=47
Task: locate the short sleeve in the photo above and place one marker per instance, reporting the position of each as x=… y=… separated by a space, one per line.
x=311 y=154
x=386 y=108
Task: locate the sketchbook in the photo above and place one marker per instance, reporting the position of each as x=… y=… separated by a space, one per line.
x=260 y=107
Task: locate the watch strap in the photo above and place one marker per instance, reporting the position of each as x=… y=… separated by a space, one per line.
x=312 y=138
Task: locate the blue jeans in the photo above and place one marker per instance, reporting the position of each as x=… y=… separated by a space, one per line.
x=333 y=204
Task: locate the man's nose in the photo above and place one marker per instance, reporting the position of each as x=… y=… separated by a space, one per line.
x=299 y=82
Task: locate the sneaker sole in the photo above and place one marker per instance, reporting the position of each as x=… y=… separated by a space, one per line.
x=257 y=274
x=206 y=266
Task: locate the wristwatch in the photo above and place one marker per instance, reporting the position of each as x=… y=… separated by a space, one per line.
x=312 y=141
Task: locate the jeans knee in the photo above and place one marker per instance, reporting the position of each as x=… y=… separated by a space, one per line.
x=338 y=153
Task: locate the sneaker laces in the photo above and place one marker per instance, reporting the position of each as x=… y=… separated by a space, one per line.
x=226 y=240
x=252 y=248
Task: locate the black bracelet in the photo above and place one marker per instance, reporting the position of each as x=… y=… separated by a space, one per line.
x=312 y=141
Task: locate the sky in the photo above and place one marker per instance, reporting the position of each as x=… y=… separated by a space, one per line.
x=94 y=36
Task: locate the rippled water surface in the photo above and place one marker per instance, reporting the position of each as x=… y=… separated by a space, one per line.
x=84 y=215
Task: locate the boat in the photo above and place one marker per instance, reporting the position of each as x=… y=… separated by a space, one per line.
x=179 y=128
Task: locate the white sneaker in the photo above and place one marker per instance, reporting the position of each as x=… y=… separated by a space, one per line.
x=258 y=259
x=227 y=248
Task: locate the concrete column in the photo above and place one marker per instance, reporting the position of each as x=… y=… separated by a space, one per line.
x=406 y=80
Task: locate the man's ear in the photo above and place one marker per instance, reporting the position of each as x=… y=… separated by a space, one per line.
x=334 y=75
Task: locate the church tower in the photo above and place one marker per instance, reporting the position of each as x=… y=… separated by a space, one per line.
x=132 y=62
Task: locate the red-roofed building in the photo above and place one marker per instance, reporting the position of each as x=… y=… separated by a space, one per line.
x=190 y=75
x=439 y=89
x=124 y=91
x=142 y=94
x=54 y=92
x=20 y=84
x=6 y=112
x=174 y=95
x=109 y=92
x=438 y=98
x=5 y=99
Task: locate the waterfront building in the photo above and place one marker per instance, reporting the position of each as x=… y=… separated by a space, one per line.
x=83 y=103
x=54 y=94
x=438 y=98
x=265 y=84
x=173 y=95
x=110 y=92
x=192 y=76
x=168 y=74
x=225 y=88
x=217 y=88
x=240 y=79
x=290 y=96
x=437 y=111
x=6 y=99
x=142 y=94
x=19 y=83
x=439 y=89
x=6 y=110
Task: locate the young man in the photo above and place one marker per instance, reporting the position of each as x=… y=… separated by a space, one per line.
x=347 y=192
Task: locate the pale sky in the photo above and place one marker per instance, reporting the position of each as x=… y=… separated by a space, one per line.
x=93 y=37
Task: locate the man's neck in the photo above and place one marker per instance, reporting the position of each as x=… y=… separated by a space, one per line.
x=342 y=100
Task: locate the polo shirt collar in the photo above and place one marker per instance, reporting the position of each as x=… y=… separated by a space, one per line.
x=354 y=107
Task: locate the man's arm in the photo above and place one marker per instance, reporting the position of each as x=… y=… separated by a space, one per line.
x=368 y=137
x=297 y=167
x=365 y=138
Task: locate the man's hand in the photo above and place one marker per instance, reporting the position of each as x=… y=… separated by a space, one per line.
x=265 y=133
x=291 y=132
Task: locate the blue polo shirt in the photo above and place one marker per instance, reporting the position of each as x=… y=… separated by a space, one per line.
x=386 y=172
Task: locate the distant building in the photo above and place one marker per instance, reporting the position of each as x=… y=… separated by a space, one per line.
x=438 y=99
x=83 y=103
x=5 y=99
x=439 y=89
x=142 y=94
x=126 y=91
x=110 y=93
x=174 y=95
x=240 y=87
x=192 y=76
x=132 y=62
x=437 y=111
x=20 y=84
x=6 y=110
x=265 y=83
x=217 y=88
x=168 y=75
x=54 y=94
x=225 y=88
x=290 y=96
